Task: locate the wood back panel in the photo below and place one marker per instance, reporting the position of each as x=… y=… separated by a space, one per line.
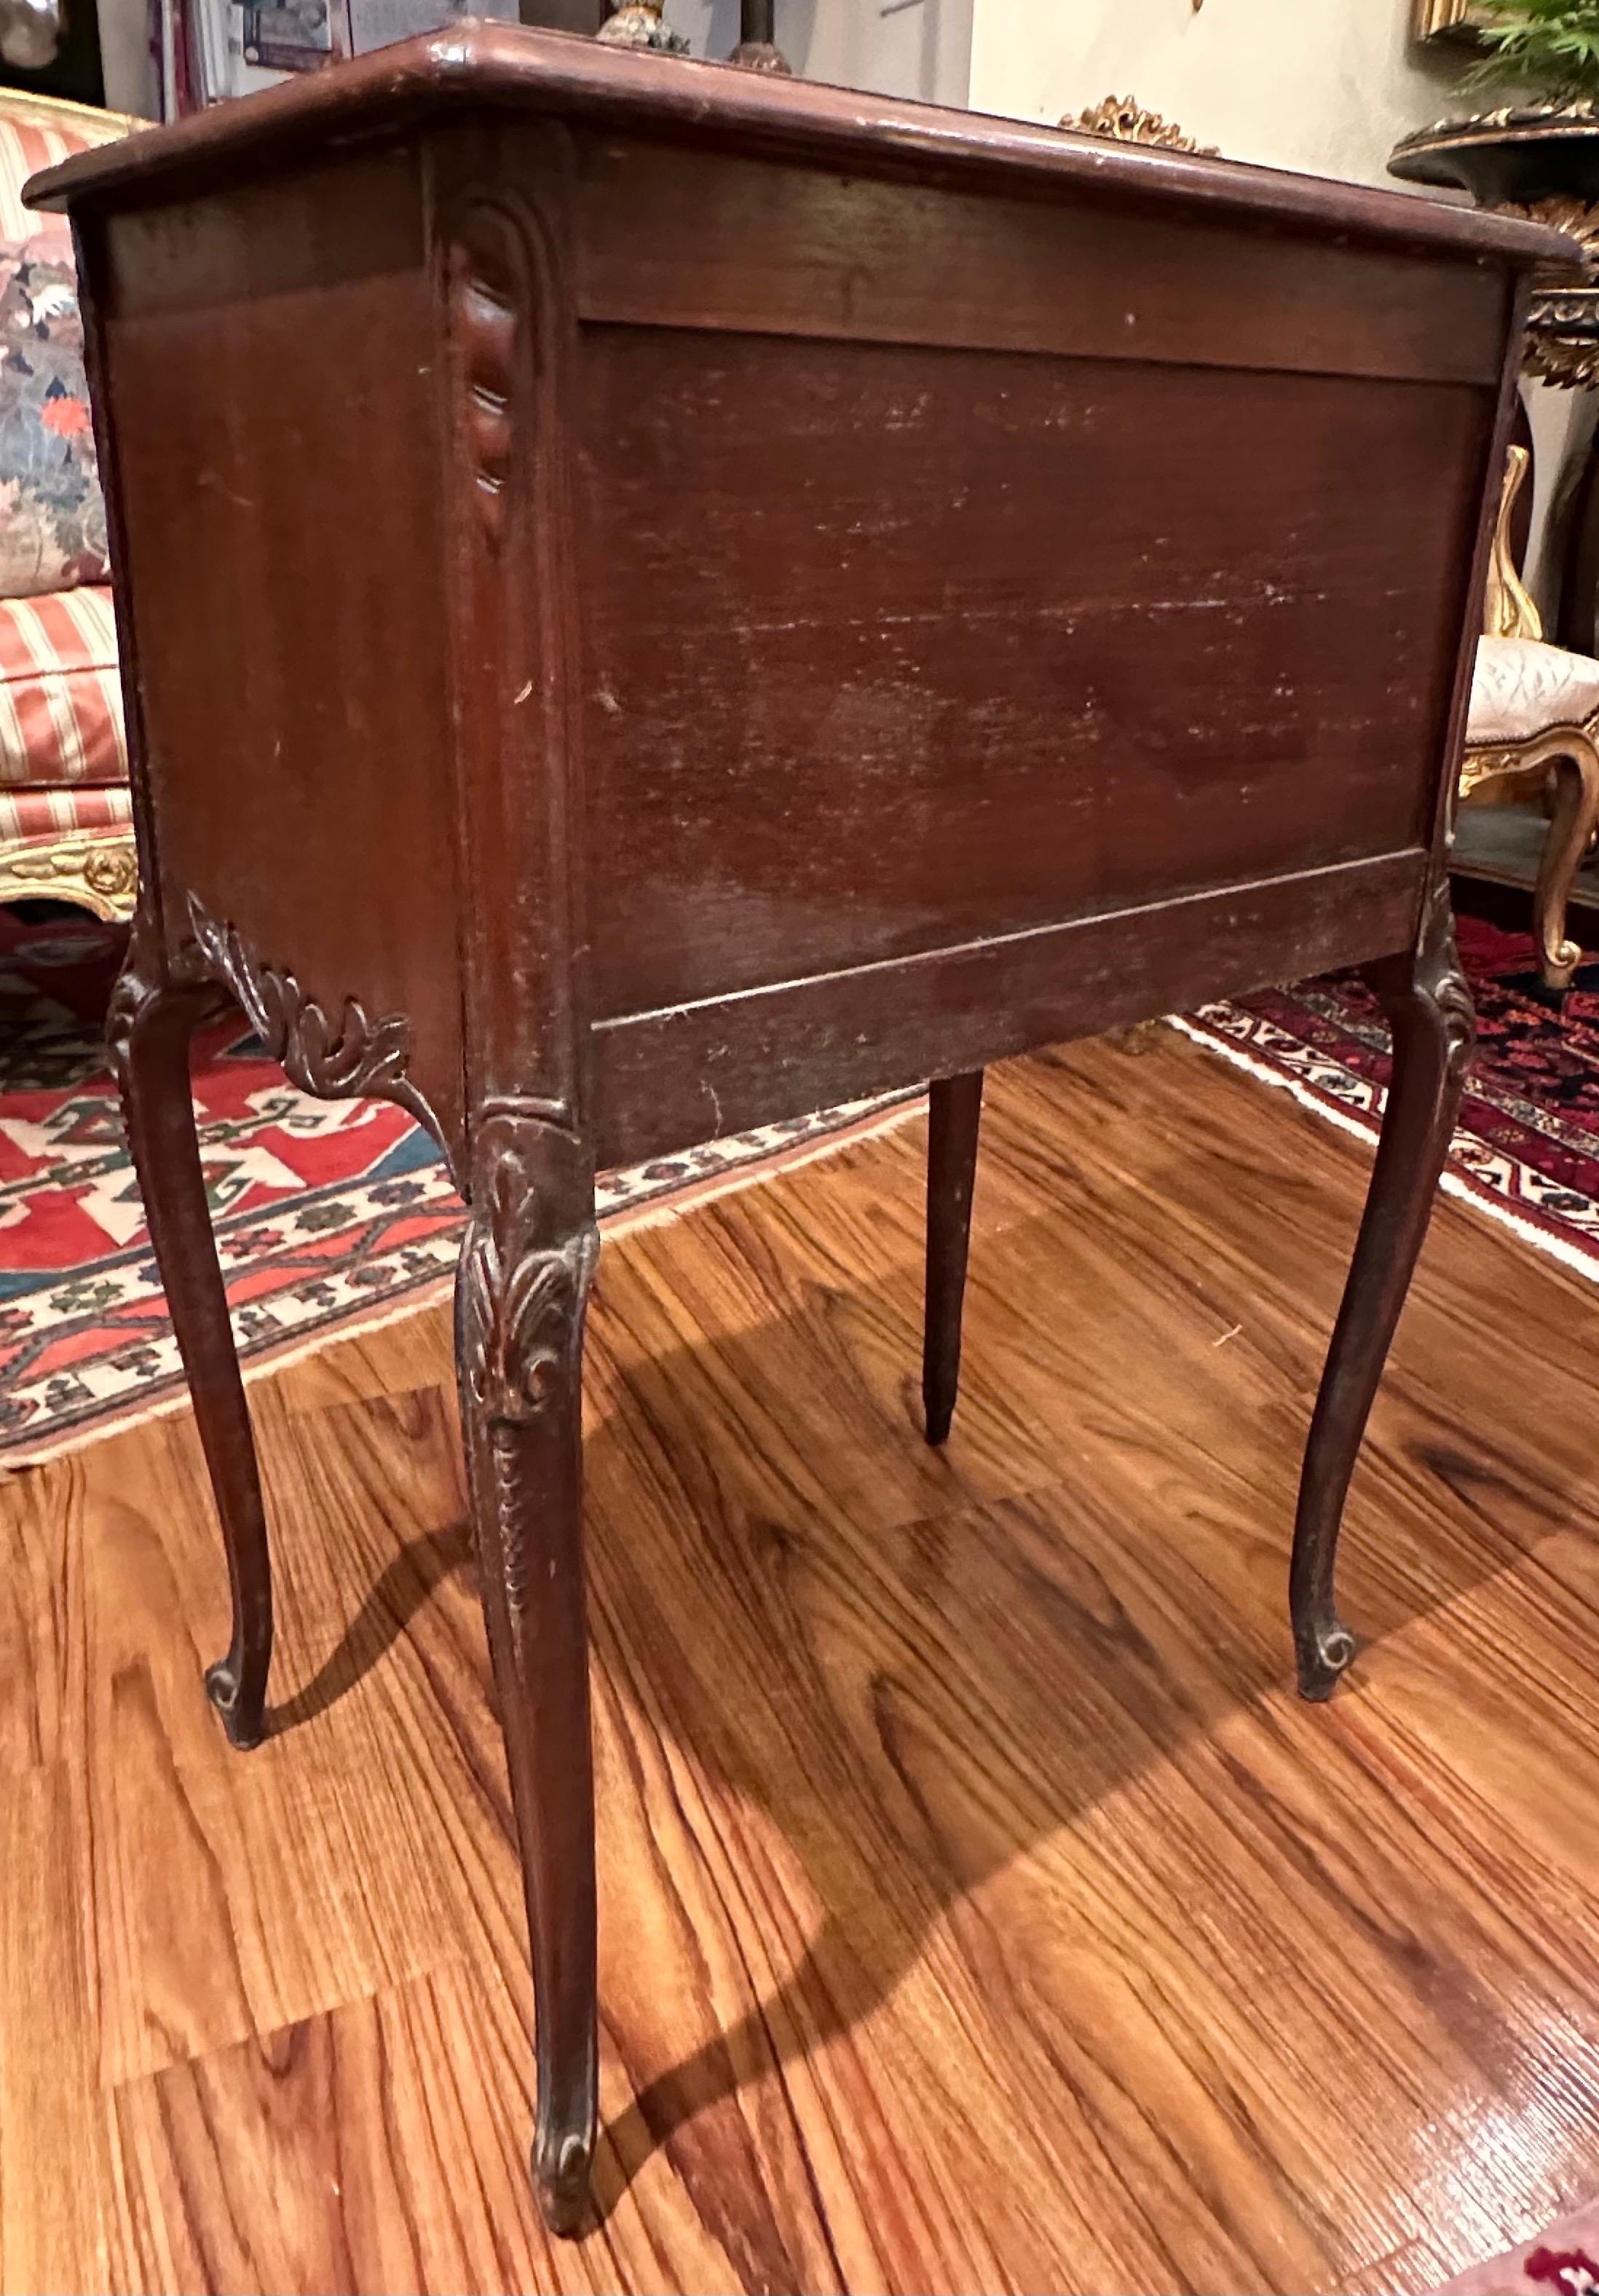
x=663 y=1080
x=889 y=646
x=1004 y=598
x=769 y=247
x=284 y=574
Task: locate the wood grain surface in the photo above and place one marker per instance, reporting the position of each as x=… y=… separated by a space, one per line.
x=980 y=1909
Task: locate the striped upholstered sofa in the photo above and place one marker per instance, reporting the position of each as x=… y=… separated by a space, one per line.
x=65 y=825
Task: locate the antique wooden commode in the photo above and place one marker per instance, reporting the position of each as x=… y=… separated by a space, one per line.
x=655 y=599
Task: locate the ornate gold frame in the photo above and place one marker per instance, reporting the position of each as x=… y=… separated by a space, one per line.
x=1124 y=120
x=1442 y=19
x=95 y=869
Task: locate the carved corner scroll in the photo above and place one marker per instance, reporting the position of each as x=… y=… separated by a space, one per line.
x=340 y=1059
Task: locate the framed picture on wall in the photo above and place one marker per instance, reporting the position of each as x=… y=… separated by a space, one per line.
x=212 y=49
x=1445 y=20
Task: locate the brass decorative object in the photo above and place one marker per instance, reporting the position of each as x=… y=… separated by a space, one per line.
x=1562 y=321
x=1124 y=120
x=1520 y=118
x=642 y=24
x=92 y=869
x=1538 y=162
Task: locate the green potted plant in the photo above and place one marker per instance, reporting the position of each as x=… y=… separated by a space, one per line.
x=1551 y=46
x=1543 y=141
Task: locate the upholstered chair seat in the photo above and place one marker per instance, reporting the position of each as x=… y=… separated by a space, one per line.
x=1533 y=716
x=1523 y=688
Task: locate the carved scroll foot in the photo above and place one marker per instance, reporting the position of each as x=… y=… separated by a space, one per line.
x=561 y=2168
x=526 y=1267
x=1428 y=1008
x=233 y=1689
x=954 y=1112
x=1324 y=1649
x=151 y=1021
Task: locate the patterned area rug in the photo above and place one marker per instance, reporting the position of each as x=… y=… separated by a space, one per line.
x=1527 y=1151
x=1563 y=2261
x=328 y=1214
x=335 y=1214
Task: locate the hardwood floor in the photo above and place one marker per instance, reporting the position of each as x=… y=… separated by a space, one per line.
x=979 y=1907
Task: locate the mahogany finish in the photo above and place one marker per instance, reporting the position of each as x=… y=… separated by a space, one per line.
x=655 y=598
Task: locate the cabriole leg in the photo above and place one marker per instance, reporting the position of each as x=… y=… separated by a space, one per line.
x=954 y=1112
x=526 y=1267
x=1429 y=1008
x=151 y=1021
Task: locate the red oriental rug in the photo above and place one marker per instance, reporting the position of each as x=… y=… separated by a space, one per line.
x=329 y=1214
x=1527 y=1148
x=1563 y=2261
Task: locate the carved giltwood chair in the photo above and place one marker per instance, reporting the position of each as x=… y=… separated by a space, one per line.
x=66 y=828
x=1535 y=720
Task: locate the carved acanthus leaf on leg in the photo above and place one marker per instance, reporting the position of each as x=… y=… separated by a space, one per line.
x=1437 y=976
x=523 y=1294
x=525 y=1274
x=1428 y=1004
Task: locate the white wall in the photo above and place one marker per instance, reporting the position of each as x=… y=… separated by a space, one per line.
x=897 y=47
x=1328 y=85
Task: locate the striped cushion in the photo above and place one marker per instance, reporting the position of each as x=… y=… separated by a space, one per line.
x=61 y=700
x=35 y=133
x=38 y=816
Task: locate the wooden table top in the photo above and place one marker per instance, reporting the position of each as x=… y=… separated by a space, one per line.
x=558 y=75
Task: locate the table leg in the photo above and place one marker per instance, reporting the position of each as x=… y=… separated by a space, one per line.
x=955 y=1112
x=151 y=1021
x=1429 y=1008
x=526 y=1267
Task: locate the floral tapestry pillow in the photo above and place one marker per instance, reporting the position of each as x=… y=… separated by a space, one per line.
x=51 y=516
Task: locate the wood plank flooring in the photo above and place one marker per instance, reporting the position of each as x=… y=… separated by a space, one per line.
x=980 y=1908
